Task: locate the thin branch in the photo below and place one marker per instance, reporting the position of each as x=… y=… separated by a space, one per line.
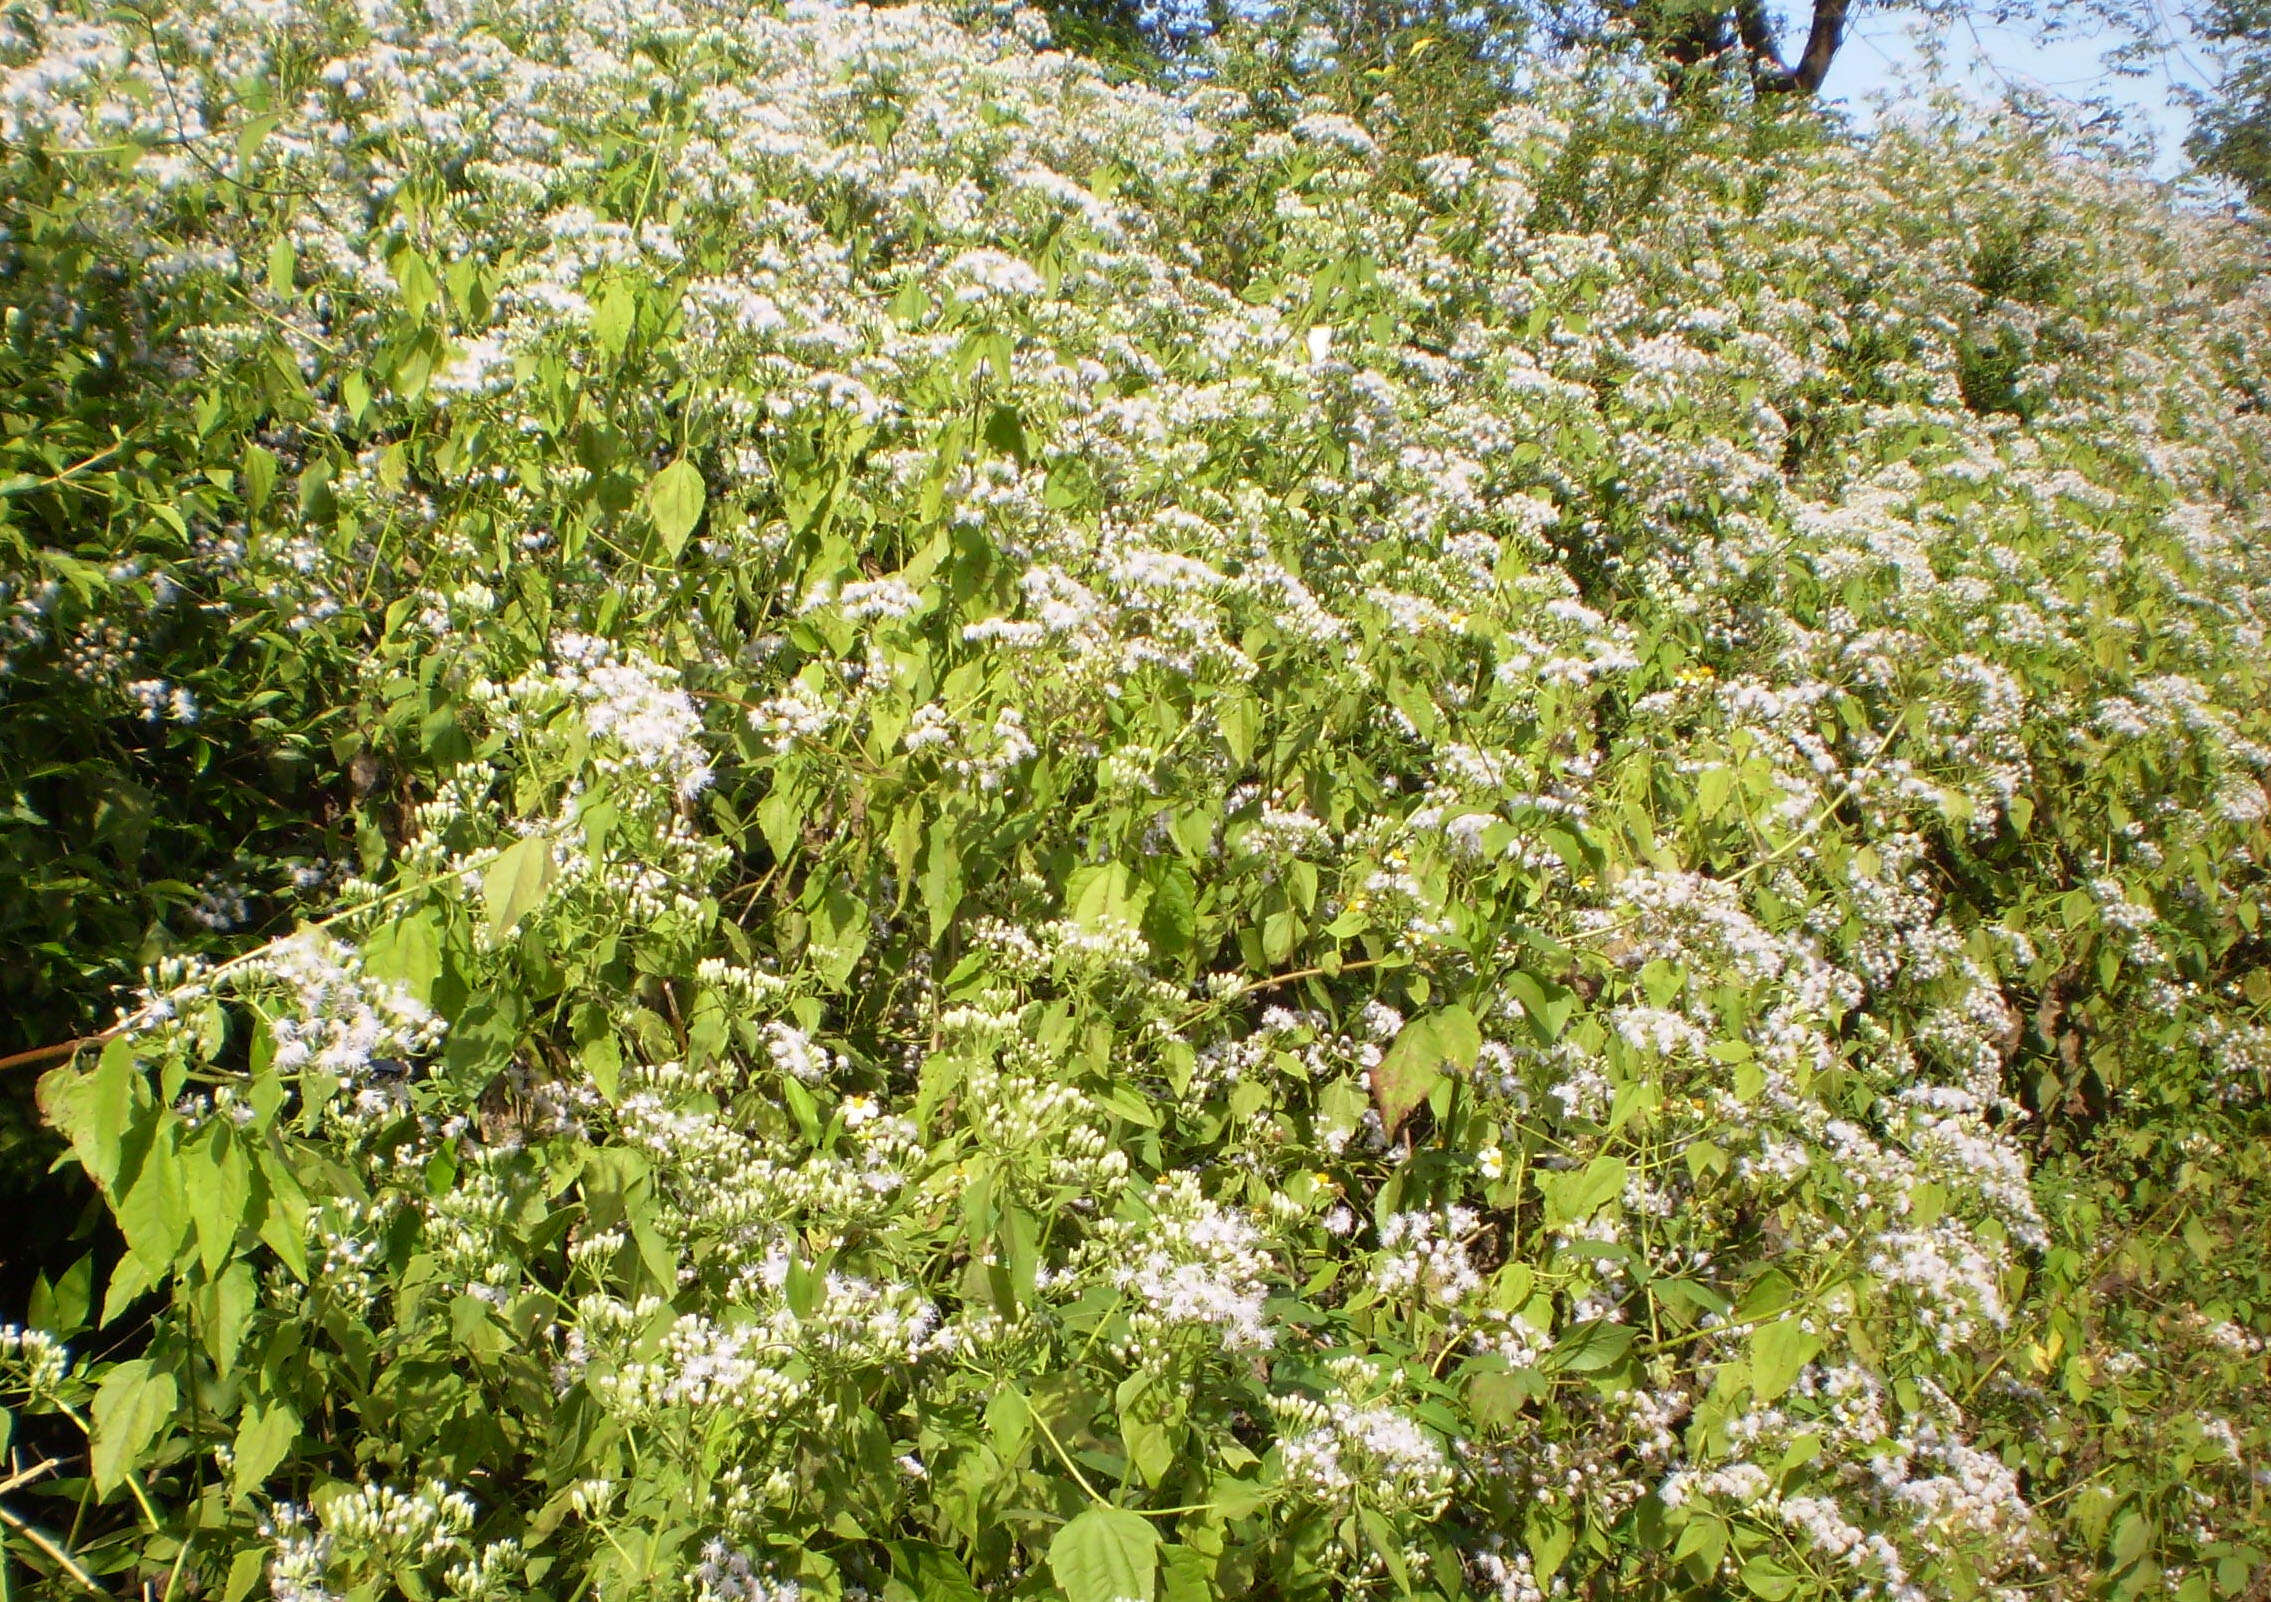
x=1822 y=41
x=62 y=1559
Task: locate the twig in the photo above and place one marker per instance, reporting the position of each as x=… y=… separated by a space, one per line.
x=1063 y=1456
x=20 y=485
x=61 y=1558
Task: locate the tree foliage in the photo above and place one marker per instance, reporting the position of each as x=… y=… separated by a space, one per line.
x=2231 y=135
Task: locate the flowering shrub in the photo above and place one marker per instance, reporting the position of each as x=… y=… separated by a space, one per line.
x=933 y=867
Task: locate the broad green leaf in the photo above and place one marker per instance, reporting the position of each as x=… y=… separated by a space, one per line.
x=1170 y=918
x=93 y=1109
x=1550 y=1537
x=265 y=1435
x=516 y=882
x=922 y=1572
x=839 y=934
x=283 y=275
x=1458 y=1036
x=217 y=1182
x=1143 y=1427
x=245 y=1570
x=1595 y=1344
x=132 y=1408
x=64 y=1306
x=613 y=317
x=674 y=501
x=1768 y=1580
x=1702 y=1543
x=942 y=878
x=152 y=1206
x=408 y=950
x=1186 y=1575
x=1105 y=1554
x=259 y=476
x=1380 y=1535
x=1777 y=1352
x=225 y=1309
x=1573 y=1197
x=1546 y=1004
x=1100 y=893
x=1414 y=1063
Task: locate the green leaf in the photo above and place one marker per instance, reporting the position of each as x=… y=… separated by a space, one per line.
x=408 y=951
x=1390 y=1550
x=264 y=1437
x=1573 y=1197
x=64 y=1307
x=1170 y=918
x=224 y=1312
x=152 y=1206
x=1105 y=1554
x=93 y=1109
x=1496 y=1397
x=1545 y=1004
x=132 y=1409
x=1768 y=1580
x=259 y=476
x=1185 y=1575
x=2132 y=1538
x=839 y=934
x=942 y=878
x=217 y=1183
x=1550 y=1536
x=1099 y=893
x=1459 y=1036
x=613 y=318
x=1702 y=1543
x=674 y=500
x=1595 y=1344
x=245 y=1570
x=1778 y=1351
x=516 y=882
x=1143 y=1427
x=921 y=1572
x=283 y=269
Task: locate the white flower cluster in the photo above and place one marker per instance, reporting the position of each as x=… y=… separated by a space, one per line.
x=648 y=1363
x=1424 y=1255
x=1188 y=1263
x=630 y=702
x=32 y=1361
x=1355 y=1446
x=339 y=1021
x=374 y=1530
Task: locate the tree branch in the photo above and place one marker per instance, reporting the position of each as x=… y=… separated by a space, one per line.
x=1827 y=34
x=1822 y=42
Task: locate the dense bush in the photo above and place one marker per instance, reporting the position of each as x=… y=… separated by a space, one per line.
x=906 y=826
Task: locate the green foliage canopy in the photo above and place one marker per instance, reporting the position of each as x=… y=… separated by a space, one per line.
x=965 y=833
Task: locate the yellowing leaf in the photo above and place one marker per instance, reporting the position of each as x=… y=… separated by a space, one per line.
x=1408 y=1074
